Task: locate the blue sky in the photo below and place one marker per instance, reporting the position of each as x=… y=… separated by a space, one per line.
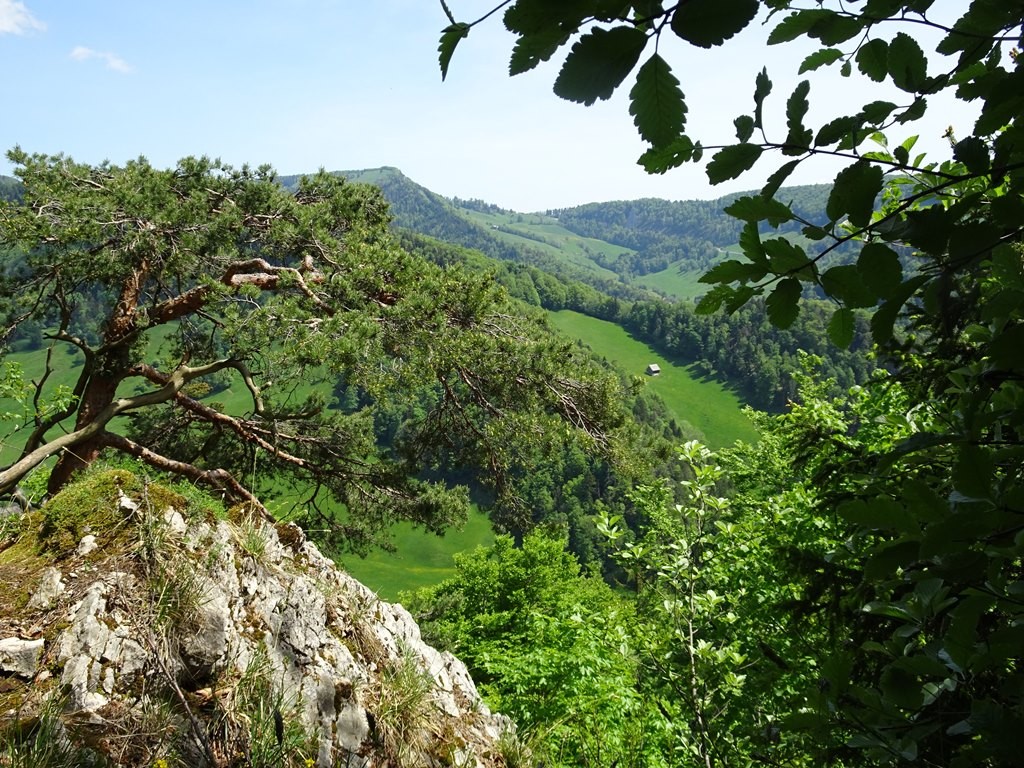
x=347 y=84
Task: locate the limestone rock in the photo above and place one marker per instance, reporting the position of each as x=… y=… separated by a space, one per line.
x=87 y=545
x=50 y=587
x=242 y=625
x=20 y=657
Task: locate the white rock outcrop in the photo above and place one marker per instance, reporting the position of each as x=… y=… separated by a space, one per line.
x=222 y=610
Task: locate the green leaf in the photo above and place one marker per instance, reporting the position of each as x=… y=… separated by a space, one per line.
x=984 y=19
x=740 y=296
x=844 y=283
x=890 y=558
x=880 y=513
x=835 y=28
x=732 y=270
x=531 y=17
x=799 y=138
x=884 y=319
x=527 y=17
x=882 y=8
x=914 y=112
x=711 y=301
x=785 y=257
x=921 y=500
x=901 y=688
x=707 y=23
x=837 y=130
x=854 y=192
x=929 y=228
x=762 y=87
x=960 y=637
x=656 y=103
x=841 y=327
x=796 y=24
x=598 y=63
x=906 y=63
x=750 y=243
x=783 y=303
x=757 y=208
x=972 y=473
x=531 y=50
x=730 y=162
x=819 y=59
x=661 y=159
x=873 y=59
x=744 y=127
x=777 y=179
x=450 y=37
x=877 y=111
x=973 y=153
x=880 y=269
x=1006 y=350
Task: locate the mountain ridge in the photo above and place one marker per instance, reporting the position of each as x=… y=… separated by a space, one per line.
x=609 y=245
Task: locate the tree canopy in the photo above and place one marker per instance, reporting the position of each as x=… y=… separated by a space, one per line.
x=207 y=303
x=923 y=566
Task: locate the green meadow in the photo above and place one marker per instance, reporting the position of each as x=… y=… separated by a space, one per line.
x=420 y=559
x=544 y=233
x=680 y=279
x=704 y=403
x=676 y=281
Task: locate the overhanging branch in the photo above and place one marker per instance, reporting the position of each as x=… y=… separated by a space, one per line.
x=95 y=428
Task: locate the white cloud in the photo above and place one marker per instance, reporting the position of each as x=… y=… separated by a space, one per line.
x=114 y=62
x=16 y=19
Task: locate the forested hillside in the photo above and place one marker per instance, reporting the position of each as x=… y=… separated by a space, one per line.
x=540 y=265
x=417 y=209
x=10 y=189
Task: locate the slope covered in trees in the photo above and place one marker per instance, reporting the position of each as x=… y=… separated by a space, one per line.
x=685 y=234
x=417 y=209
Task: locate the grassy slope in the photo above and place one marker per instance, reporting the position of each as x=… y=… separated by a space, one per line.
x=680 y=279
x=545 y=233
x=706 y=404
x=421 y=559
x=675 y=281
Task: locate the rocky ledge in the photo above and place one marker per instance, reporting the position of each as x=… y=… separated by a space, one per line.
x=138 y=627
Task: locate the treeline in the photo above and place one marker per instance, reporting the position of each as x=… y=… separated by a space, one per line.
x=748 y=351
x=476 y=204
x=659 y=231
